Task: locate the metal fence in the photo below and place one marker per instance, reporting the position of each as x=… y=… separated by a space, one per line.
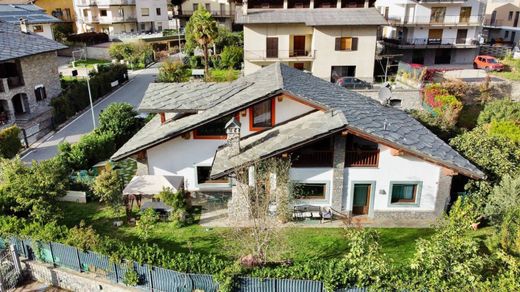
x=151 y=278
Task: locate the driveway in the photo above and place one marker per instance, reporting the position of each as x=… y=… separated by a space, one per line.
x=132 y=92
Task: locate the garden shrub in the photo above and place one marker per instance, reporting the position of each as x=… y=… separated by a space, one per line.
x=121 y=120
x=173 y=71
x=131 y=278
x=10 y=143
x=500 y=110
x=137 y=54
x=506 y=129
x=509 y=232
x=89 y=38
x=89 y=150
x=107 y=187
x=504 y=198
x=82 y=237
x=232 y=57
x=146 y=223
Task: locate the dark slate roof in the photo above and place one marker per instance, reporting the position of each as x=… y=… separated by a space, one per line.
x=290 y=135
x=188 y=97
x=362 y=114
x=313 y=17
x=15 y=44
x=32 y=13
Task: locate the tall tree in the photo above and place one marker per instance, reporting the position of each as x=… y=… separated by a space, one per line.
x=203 y=29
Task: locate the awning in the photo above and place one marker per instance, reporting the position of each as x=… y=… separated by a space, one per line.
x=149 y=185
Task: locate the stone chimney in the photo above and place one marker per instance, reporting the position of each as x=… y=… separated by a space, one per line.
x=233 y=136
x=23 y=25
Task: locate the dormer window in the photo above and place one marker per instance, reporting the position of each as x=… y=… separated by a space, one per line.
x=261 y=115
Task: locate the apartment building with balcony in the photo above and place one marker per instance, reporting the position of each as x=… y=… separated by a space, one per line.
x=328 y=38
x=433 y=32
x=121 y=16
x=29 y=75
x=501 y=22
x=222 y=10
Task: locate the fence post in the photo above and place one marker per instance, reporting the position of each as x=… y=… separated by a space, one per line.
x=115 y=272
x=52 y=255
x=16 y=259
x=79 y=260
x=24 y=133
x=150 y=276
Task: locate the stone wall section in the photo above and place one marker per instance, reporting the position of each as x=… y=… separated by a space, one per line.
x=70 y=279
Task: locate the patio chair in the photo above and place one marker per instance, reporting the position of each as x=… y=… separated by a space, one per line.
x=326 y=214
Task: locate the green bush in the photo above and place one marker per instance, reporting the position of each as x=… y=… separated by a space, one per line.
x=10 y=143
x=507 y=129
x=500 y=110
x=107 y=187
x=232 y=57
x=138 y=54
x=91 y=149
x=121 y=120
x=173 y=71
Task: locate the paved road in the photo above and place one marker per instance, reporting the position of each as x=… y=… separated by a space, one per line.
x=132 y=92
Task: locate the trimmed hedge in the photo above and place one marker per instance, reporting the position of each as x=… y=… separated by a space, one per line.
x=74 y=97
x=89 y=38
x=10 y=142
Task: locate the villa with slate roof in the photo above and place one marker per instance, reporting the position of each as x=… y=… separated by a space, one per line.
x=348 y=152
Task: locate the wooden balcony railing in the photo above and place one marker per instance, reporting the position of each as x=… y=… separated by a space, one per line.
x=312 y=159
x=362 y=158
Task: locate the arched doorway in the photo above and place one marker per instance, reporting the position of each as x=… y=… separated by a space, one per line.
x=20 y=103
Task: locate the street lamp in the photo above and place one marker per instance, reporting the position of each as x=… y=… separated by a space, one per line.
x=75 y=74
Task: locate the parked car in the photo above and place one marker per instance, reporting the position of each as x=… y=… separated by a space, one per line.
x=488 y=63
x=353 y=83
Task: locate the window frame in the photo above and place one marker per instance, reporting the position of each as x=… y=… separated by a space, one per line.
x=321 y=198
x=147 y=11
x=210 y=183
x=251 y=115
x=105 y=11
x=37 y=28
x=407 y=203
x=354 y=41
x=198 y=136
x=158 y=11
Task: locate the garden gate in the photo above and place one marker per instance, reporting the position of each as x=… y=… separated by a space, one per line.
x=9 y=273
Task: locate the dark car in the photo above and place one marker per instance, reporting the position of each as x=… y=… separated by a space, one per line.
x=353 y=83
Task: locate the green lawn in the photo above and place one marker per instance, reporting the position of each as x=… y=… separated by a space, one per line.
x=89 y=63
x=512 y=71
x=223 y=75
x=303 y=243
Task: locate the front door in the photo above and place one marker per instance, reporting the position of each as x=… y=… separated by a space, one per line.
x=361 y=199
x=272 y=47
x=299 y=45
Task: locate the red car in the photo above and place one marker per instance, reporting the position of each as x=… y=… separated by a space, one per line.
x=487 y=63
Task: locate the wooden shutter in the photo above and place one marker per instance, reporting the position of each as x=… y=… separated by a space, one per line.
x=338 y=44
x=354 y=44
x=272 y=47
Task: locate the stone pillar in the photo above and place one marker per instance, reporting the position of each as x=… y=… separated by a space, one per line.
x=311 y=4
x=238 y=205
x=338 y=173
x=366 y=4
x=10 y=108
x=285 y=4
x=244 y=7
x=443 y=192
x=338 y=4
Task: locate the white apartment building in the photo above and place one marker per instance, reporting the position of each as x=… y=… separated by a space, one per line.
x=121 y=16
x=330 y=38
x=222 y=10
x=433 y=32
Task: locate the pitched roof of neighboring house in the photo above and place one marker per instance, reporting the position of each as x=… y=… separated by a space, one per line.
x=16 y=44
x=313 y=17
x=32 y=13
x=362 y=116
x=187 y=97
x=274 y=141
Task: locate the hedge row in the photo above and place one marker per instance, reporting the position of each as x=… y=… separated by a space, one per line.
x=74 y=97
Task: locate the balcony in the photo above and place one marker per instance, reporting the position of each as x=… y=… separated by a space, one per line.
x=117 y=19
x=417 y=43
x=91 y=19
x=497 y=22
x=312 y=159
x=214 y=13
x=362 y=158
x=448 y=20
x=442 y=1
x=82 y=3
x=287 y=55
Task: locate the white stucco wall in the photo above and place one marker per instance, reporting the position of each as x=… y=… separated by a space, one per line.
x=152 y=16
x=180 y=156
x=47 y=30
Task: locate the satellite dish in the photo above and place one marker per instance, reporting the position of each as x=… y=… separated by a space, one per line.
x=385 y=94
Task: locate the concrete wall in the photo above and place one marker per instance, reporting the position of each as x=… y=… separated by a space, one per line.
x=98 y=52
x=181 y=156
x=319 y=40
x=71 y=280
x=47 y=30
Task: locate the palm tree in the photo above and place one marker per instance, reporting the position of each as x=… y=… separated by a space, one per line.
x=203 y=29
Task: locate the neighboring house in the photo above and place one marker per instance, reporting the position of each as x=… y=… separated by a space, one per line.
x=348 y=151
x=434 y=31
x=222 y=10
x=61 y=9
x=121 y=16
x=35 y=18
x=29 y=76
x=501 y=22
x=331 y=39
